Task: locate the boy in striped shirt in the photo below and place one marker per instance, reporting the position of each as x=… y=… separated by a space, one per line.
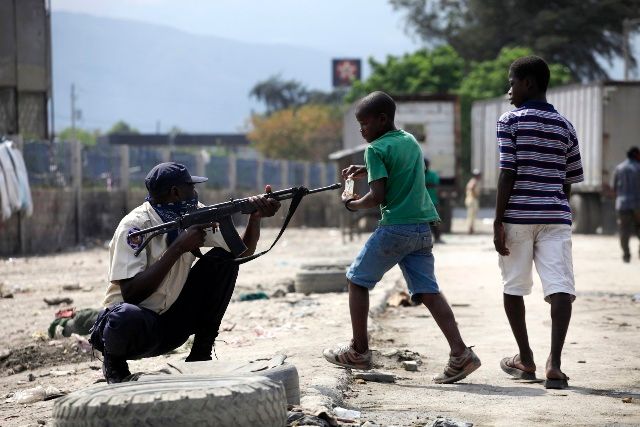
x=539 y=160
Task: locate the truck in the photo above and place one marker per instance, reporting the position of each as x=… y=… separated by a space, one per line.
x=434 y=120
x=606 y=117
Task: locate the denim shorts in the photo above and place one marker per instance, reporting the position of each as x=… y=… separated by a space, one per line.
x=409 y=246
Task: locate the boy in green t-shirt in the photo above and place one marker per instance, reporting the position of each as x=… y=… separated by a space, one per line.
x=395 y=171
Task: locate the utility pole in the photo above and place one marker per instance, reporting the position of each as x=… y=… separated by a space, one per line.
x=73 y=111
x=76 y=167
x=627 y=25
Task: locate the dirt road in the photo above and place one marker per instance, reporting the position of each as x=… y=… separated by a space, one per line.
x=601 y=352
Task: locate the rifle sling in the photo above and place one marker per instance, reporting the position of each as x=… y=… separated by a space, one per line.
x=295 y=201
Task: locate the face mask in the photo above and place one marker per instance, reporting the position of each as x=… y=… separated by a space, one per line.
x=172 y=211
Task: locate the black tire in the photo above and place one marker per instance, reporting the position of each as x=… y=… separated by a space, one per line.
x=176 y=401
x=320 y=281
x=286 y=374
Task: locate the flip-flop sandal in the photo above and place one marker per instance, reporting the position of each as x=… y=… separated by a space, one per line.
x=515 y=372
x=556 y=383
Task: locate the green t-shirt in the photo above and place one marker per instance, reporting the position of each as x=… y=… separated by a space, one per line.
x=397 y=156
x=432 y=178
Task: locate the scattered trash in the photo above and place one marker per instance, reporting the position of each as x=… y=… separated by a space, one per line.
x=262 y=332
x=69 y=321
x=374 y=376
x=295 y=418
x=623 y=324
x=227 y=327
x=403 y=355
x=447 y=422
x=251 y=296
x=83 y=344
x=31 y=377
x=62 y=373
x=72 y=287
x=345 y=414
x=410 y=365
x=5 y=294
x=390 y=352
x=399 y=299
x=279 y=293
x=460 y=305
x=369 y=424
x=58 y=300
x=35 y=394
x=630 y=399
x=582 y=361
x=360 y=381
x=4 y=353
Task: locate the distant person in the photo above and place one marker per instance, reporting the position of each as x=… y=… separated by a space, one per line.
x=156 y=300
x=472 y=199
x=395 y=172
x=539 y=160
x=432 y=181
x=626 y=184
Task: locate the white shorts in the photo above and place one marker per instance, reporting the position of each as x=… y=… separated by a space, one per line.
x=549 y=246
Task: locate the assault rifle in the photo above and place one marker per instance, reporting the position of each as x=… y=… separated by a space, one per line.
x=222 y=212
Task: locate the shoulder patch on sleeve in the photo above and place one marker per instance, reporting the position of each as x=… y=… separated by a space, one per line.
x=134 y=242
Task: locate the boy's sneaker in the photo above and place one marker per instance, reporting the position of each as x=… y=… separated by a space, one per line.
x=115 y=370
x=458 y=367
x=346 y=356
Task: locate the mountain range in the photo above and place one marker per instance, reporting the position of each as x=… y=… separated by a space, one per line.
x=156 y=77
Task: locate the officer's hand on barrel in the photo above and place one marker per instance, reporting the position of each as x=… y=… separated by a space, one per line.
x=265 y=206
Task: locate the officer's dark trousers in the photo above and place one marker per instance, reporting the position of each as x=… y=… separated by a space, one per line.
x=127 y=331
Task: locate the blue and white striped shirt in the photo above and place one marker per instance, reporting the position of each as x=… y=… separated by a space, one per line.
x=541 y=146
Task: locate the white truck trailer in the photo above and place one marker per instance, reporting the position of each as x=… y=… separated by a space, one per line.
x=606 y=116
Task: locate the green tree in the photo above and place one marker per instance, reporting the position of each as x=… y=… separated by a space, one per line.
x=86 y=137
x=122 y=127
x=569 y=32
x=309 y=132
x=426 y=71
x=279 y=94
x=488 y=79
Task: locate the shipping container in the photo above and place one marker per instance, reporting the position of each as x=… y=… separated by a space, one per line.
x=606 y=117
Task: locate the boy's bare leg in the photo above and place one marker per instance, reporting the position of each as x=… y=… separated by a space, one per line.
x=560 y=318
x=515 y=310
x=442 y=314
x=359 y=309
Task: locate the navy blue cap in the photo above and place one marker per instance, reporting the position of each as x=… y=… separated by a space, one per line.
x=166 y=175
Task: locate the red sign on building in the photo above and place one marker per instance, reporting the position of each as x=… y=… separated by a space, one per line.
x=345 y=71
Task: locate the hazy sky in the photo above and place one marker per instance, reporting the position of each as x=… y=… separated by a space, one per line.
x=360 y=28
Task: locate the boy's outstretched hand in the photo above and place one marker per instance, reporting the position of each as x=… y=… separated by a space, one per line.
x=499 y=239
x=356 y=172
x=346 y=197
